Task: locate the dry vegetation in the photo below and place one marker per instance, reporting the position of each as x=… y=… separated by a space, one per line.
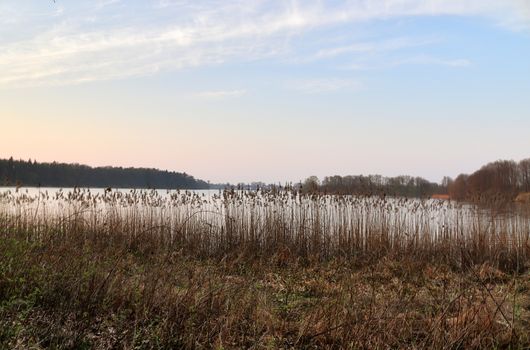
x=259 y=270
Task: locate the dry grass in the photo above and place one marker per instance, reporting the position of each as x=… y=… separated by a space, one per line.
x=148 y=273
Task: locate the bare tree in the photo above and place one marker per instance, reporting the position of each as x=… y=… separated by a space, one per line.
x=458 y=188
x=524 y=169
x=311 y=184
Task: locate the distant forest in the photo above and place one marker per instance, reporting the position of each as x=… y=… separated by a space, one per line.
x=33 y=174
x=502 y=180
x=401 y=186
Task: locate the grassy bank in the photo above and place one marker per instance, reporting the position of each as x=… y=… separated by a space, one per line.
x=104 y=292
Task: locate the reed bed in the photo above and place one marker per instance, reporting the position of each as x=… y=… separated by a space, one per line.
x=305 y=225
x=259 y=269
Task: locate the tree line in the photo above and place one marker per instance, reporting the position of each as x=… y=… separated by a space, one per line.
x=402 y=186
x=32 y=174
x=500 y=180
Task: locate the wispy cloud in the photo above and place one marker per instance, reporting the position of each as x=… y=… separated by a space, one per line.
x=373 y=47
x=416 y=60
x=220 y=94
x=366 y=53
x=319 y=86
x=100 y=4
x=430 y=60
x=95 y=41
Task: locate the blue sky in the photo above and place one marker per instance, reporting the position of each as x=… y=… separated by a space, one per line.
x=267 y=90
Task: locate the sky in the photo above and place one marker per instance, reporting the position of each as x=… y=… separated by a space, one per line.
x=263 y=90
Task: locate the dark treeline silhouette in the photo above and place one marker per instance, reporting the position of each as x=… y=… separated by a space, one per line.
x=403 y=186
x=33 y=174
x=501 y=180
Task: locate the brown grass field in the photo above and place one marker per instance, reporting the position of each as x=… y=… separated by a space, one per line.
x=134 y=278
